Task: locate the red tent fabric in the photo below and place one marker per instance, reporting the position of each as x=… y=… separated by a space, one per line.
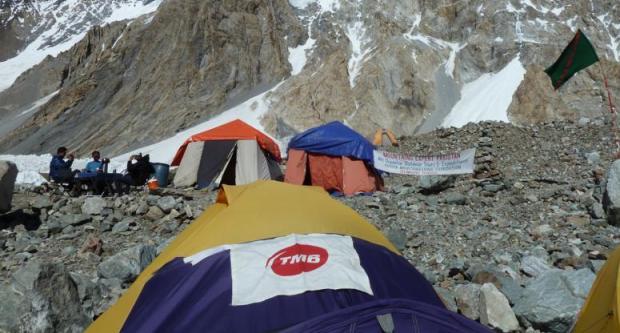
x=234 y=130
x=333 y=173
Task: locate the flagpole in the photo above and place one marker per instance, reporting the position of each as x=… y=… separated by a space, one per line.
x=612 y=111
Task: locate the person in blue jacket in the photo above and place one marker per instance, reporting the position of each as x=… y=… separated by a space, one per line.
x=96 y=165
x=60 y=170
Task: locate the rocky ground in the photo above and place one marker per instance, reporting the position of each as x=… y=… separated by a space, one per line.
x=516 y=245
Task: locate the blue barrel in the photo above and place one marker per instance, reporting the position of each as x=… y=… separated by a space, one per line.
x=161 y=173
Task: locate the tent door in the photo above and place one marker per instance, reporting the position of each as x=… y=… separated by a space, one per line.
x=227 y=175
x=215 y=158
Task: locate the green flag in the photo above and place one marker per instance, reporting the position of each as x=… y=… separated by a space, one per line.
x=578 y=55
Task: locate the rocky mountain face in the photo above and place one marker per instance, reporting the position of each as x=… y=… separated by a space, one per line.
x=411 y=66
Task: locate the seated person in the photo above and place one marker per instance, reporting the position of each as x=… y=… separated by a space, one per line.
x=139 y=169
x=97 y=165
x=60 y=170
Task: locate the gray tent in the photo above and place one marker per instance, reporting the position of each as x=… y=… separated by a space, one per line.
x=235 y=162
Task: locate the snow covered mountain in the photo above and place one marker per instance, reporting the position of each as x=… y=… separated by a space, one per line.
x=408 y=65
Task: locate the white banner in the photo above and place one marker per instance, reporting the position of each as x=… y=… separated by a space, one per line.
x=448 y=164
x=294 y=264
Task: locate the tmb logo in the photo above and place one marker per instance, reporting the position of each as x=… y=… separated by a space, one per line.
x=297 y=259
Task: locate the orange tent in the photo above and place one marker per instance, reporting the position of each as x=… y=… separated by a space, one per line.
x=378 y=139
x=234 y=130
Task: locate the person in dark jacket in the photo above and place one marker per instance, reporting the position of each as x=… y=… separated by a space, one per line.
x=139 y=169
x=60 y=170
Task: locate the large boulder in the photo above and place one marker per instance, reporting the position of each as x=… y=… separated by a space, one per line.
x=611 y=200
x=54 y=300
x=128 y=264
x=551 y=302
x=8 y=175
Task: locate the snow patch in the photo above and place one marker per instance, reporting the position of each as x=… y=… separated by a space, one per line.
x=37 y=104
x=325 y=5
x=250 y=111
x=433 y=42
x=297 y=56
x=488 y=97
x=355 y=33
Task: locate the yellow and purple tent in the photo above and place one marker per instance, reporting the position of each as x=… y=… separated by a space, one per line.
x=271 y=256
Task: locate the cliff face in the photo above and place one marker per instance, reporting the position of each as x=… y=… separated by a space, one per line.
x=407 y=65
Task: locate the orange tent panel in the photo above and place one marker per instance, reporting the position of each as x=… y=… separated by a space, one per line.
x=296 y=167
x=234 y=130
x=326 y=171
x=358 y=178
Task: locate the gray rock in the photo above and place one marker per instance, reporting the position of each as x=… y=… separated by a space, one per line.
x=611 y=199
x=41 y=202
x=493 y=188
x=54 y=226
x=161 y=247
x=12 y=308
x=23 y=256
x=548 y=304
x=122 y=226
x=455 y=198
x=435 y=184
x=447 y=297
x=8 y=175
x=597 y=265
x=597 y=211
x=187 y=209
x=154 y=213
x=468 y=300
x=166 y=204
x=69 y=251
x=534 y=266
x=128 y=264
x=398 y=237
x=583 y=121
x=503 y=281
x=94 y=205
x=495 y=310
x=88 y=292
x=542 y=230
x=24 y=242
x=142 y=209
x=74 y=219
x=23 y=279
x=593 y=157
x=579 y=282
x=55 y=302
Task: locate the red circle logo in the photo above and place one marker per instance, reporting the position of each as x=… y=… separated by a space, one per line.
x=297 y=259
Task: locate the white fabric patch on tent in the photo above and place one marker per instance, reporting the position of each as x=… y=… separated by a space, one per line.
x=294 y=264
x=187 y=172
x=246 y=169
